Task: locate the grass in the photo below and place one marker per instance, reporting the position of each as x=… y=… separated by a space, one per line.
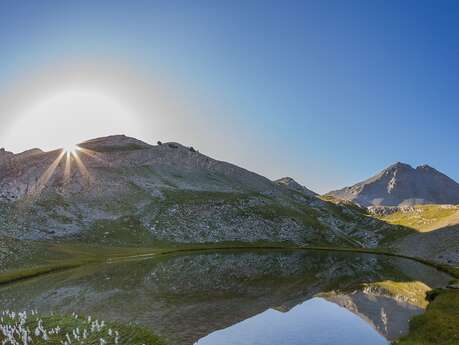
x=172 y=197
x=439 y=325
x=425 y=217
x=305 y=215
x=70 y=329
x=124 y=230
x=30 y=272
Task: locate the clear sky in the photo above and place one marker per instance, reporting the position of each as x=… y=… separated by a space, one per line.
x=328 y=92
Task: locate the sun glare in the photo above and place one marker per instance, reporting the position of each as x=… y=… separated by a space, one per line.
x=70 y=148
x=71 y=117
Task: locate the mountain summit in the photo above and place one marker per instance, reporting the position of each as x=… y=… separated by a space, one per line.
x=401 y=184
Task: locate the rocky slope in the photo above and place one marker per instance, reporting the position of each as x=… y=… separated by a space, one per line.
x=401 y=184
x=119 y=190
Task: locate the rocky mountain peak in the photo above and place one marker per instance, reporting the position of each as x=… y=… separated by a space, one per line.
x=401 y=184
x=400 y=166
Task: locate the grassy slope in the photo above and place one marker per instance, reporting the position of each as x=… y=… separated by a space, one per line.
x=425 y=217
x=439 y=325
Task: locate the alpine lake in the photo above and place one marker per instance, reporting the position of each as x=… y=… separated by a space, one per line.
x=243 y=297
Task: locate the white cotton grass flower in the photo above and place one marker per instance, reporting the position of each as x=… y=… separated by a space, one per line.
x=27 y=328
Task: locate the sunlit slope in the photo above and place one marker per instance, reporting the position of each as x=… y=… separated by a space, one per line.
x=436 y=227
x=424 y=218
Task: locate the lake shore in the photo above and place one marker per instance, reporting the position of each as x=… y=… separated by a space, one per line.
x=439 y=320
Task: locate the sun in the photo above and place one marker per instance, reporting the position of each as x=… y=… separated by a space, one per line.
x=70 y=148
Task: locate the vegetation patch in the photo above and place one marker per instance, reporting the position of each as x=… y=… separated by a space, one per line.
x=424 y=217
x=172 y=196
x=126 y=230
x=439 y=325
x=303 y=215
x=30 y=328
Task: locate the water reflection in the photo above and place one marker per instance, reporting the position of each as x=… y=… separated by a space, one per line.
x=303 y=324
x=186 y=298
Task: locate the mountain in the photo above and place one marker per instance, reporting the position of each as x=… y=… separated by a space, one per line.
x=121 y=191
x=400 y=185
x=290 y=183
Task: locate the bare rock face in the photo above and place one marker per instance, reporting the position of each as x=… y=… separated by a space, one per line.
x=402 y=185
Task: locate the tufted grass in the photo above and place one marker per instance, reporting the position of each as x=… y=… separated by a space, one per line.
x=107 y=333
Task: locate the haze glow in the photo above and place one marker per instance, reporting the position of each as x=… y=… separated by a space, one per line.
x=69 y=117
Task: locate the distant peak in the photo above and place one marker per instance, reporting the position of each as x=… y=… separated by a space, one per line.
x=401 y=184
x=110 y=138
x=113 y=143
x=400 y=165
x=285 y=179
x=290 y=183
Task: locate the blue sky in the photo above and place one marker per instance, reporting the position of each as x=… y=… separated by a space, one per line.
x=328 y=92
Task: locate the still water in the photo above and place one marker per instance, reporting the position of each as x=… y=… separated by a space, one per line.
x=244 y=297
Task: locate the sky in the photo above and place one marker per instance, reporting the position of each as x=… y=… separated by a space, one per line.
x=327 y=92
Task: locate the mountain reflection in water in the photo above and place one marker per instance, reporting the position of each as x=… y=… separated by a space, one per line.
x=185 y=298
x=303 y=324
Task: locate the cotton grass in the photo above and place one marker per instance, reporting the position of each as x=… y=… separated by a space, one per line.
x=30 y=328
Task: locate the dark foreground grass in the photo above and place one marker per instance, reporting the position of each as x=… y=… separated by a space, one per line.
x=31 y=328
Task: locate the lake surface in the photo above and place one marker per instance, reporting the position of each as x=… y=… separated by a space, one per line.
x=244 y=297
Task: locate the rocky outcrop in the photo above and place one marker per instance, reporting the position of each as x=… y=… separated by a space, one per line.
x=5 y=155
x=401 y=184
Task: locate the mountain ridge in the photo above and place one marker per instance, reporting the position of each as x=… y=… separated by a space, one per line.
x=399 y=185
x=120 y=190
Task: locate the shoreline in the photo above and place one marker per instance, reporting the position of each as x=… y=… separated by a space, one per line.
x=16 y=275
